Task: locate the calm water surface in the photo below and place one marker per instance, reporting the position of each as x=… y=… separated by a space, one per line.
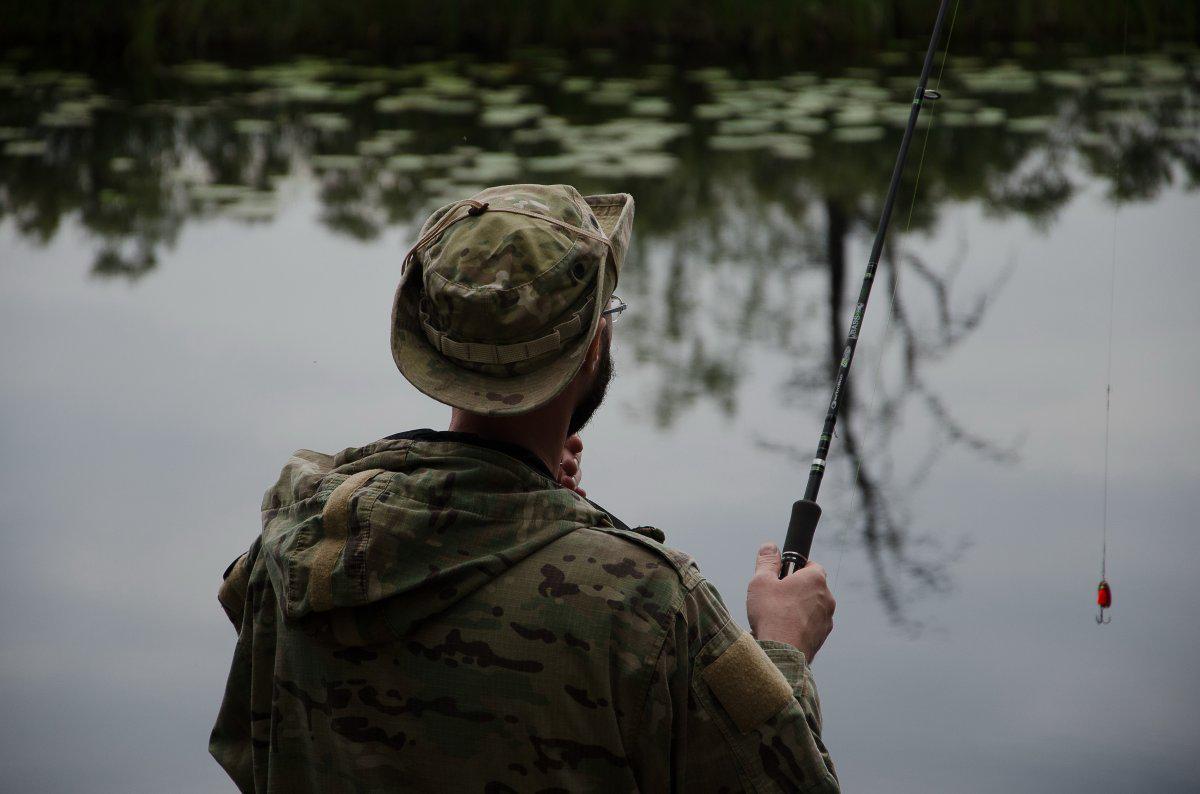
x=197 y=277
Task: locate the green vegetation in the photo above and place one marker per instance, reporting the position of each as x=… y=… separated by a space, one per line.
x=144 y=32
x=753 y=185
x=386 y=143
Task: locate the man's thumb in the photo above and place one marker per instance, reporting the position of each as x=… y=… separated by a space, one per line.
x=768 y=560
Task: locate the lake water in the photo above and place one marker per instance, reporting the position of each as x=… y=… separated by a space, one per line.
x=196 y=280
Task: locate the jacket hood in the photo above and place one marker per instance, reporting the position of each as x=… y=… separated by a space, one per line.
x=366 y=543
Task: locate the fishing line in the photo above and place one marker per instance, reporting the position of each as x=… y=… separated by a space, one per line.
x=1104 y=593
x=1112 y=300
x=891 y=313
x=806 y=513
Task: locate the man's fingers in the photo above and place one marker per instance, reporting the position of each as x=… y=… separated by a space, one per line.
x=569 y=465
x=574 y=445
x=768 y=560
x=816 y=569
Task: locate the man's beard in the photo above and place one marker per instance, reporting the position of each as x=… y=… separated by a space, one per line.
x=595 y=394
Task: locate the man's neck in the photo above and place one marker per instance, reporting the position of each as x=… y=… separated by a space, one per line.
x=543 y=431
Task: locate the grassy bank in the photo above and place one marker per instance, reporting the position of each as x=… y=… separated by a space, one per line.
x=136 y=33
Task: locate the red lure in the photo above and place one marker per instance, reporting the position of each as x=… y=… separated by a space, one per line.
x=1104 y=595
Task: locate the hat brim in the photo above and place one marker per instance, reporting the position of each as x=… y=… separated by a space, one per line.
x=446 y=381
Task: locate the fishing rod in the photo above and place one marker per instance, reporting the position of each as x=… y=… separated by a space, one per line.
x=806 y=512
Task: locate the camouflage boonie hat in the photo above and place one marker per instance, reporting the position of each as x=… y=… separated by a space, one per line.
x=502 y=292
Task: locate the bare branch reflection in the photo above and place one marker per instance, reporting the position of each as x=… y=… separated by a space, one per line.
x=752 y=193
x=902 y=566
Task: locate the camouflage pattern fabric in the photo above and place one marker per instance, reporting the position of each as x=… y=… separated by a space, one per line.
x=502 y=277
x=506 y=267
x=432 y=615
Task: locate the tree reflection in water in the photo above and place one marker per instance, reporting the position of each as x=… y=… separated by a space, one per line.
x=749 y=192
x=902 y=565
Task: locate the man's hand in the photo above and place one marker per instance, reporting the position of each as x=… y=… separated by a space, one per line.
x=797 y=610
x=569 y=468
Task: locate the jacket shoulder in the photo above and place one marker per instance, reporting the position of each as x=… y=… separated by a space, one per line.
x=632 y=557
x=299 y=479
x=648 y=542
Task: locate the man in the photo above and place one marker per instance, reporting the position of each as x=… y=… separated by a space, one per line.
x=447 y=611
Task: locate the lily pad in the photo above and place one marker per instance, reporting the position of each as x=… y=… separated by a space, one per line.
x=1181 y=134
x=553 y=164
x=1065 y=79
x=376 y=147
x=897 y=116
x=407 y=163
x=709 y=74
x=252 y=126
x=1113 y=76
x=790 y=147
x=643 y=164
x=1122 y=93
x=1031 y=124
x=449 y=85
x=444 y=191
x=713 y=111
x=207 y=73
x=425 y=103
x=398 y=137
x=493 y=73
x=811 y=125
x=738 y=143
x=610 y=98
x=1005 y=79
x=858 y=134
x=510 y=95
x=1164 y=72
x=25 y=148
x=744 y=126
x=335 y=162
x=577 y=85
x=492 y=167
x=511 y=116
x=66 y=116
x=990 y=117
x=650 y=106
x=956 y=118
x=327 y=122
x=534 y=135
x=857 y=115
x=1124 y=117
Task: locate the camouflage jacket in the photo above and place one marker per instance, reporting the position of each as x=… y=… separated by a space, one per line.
x=438 y=615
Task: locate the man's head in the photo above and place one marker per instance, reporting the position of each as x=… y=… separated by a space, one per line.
x=500 y=306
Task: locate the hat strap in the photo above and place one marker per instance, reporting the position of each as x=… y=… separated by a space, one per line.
x=446 y=221
x=476 y=208
x=484 y=353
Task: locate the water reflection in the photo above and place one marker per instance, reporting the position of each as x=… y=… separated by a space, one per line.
x=385 y=143
x=903 y=566
x=752 y=192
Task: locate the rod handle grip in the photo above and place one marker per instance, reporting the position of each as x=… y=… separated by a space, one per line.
x=801 y=528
